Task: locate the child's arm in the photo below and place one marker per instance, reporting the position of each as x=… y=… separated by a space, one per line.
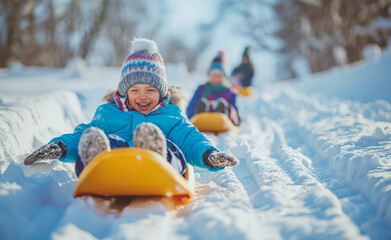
x=235 y=71
x=198 y=150
x=233 y=101
x=48 y=151
x=72 y=140
x=234 y=112
x=65 y=147
x=190 y=111
x=216 y=159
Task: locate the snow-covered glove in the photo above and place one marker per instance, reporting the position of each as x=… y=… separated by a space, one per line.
x=216 y=159
x=48 y=151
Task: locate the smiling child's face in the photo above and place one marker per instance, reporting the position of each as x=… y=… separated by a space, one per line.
x=143 y=97
x=216 y=77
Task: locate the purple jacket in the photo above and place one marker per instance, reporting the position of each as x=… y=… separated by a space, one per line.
x=228 y=95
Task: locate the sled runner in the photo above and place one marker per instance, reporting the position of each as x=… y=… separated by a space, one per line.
x=212 y=122
x=134 y=172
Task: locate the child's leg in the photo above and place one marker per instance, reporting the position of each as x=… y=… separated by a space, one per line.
x=233 y=115
x=113 y=140
x=176 y=157
x=149 y=136
x=79 y=166
x=202 y=106
x=117 y=142
x=92 y=142
x=221 y=105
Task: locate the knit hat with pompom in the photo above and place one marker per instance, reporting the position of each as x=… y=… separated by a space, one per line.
x=219 y=63
x=144 y=65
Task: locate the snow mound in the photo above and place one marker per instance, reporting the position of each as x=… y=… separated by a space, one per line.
x=28 y=122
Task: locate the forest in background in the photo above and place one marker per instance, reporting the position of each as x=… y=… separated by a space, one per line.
x=326 y=33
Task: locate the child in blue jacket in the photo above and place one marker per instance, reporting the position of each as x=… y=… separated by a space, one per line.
x=216 y=95
x=138 y=114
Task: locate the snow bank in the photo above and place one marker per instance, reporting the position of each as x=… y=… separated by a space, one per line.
x=357 y=149
x=28 y=122
x=27 y=198
x=31 y=206
x=364 y=81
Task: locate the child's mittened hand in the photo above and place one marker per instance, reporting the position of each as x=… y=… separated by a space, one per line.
x=47 y=151
x=216 y=159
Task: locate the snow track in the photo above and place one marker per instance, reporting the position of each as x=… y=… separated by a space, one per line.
x=287 y=193
x=307 y=163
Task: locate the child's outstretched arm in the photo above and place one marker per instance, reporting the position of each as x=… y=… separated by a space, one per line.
x=190 y=110
x=48 y=151
x=197 y=148
x=65 y=147
x=215 y=159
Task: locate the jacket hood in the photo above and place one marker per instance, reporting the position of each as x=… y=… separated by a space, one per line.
x=177 y=97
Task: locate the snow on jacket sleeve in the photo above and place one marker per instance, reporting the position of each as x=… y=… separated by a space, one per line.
x=71 y=140
x=192 y=143
x=193 y=102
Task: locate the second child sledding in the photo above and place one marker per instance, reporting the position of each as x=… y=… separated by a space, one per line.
x=216 y=95
x=242 y=75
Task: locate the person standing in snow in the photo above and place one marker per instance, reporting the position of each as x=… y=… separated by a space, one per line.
x=139 y=113
x=215 y=95
x=243 y=74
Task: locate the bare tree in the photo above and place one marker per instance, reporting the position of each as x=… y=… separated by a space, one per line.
x=47 y=37
x=11 y=13
x=90 y=35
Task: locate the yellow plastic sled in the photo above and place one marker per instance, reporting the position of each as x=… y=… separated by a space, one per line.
x=244 y=91
x=212 y=122
x=133 y=172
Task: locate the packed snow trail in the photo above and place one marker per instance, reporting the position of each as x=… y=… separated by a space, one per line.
x=289 y=196
x=333 y=180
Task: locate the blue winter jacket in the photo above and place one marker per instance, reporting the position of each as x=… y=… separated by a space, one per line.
x=170 y=119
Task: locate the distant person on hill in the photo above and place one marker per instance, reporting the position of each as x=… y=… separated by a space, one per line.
x=141 y=112
x=215 y=95
x=243 y=74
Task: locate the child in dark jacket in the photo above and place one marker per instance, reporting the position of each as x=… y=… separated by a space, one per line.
x=243 y=74
x=215 y=95
x=139 y=113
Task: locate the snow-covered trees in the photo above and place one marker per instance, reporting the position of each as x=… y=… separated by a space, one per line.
x=330 y=33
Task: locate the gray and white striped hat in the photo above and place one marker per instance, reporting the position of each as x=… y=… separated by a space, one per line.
x=144 y=65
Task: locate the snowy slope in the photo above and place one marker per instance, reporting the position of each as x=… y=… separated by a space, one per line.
x=313 y=166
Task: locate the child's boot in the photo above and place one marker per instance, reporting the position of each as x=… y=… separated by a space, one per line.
x=221 y=105
x=149 y=136
x=202 y=105
x=92 y=142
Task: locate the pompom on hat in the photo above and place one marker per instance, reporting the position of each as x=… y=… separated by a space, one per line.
x=246 y=53
x=219 y=63
x=144 y=65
